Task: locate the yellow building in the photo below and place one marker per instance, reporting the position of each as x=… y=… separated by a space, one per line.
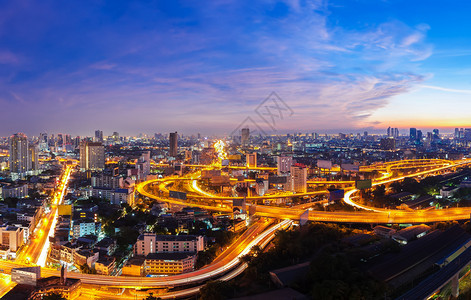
x=134 y=267
x=169 y=263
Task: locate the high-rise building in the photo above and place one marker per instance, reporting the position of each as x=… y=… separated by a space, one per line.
x=98 y=136
x=251 y=160
x=284 y=164
x=173 y=146
x=299 y=178
x=419 y=135
x=436 y=134
x=33 y=158
x=43 y=142
x=60 y=140
x=245 y=136
x=19 y=161
x=413 y=134
x=92 y=156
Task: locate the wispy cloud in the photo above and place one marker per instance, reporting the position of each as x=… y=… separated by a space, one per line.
x=210 y=66
x=444 y=89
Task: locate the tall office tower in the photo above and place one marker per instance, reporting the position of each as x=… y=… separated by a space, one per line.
x=396 y=133
x=60 y=140
x=244 y=136
x=457 y=133
x=52 y=141
x=98 y=136
x=436 y=134
x=298 y=178
x=389 y=131
x=284 y=164
x=413 y=134
x=33 y=158
x=251 y=160
x=18 y=154
x=419 y=135
x=92 y=156
x=77 y=142
x=173 y=148
x=43 y=143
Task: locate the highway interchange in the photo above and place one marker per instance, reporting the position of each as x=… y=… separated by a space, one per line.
x=227 y=265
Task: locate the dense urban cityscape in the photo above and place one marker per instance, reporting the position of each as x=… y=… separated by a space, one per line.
x=175 y=216
x=233 y=149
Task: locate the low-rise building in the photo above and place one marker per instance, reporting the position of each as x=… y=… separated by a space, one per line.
x=169 y=263
x=88 y=257
x=134 y=267
x=152 y=243
x=12 y=236
x=15 y=191
x=106 y=246
x=105 y=265
x=448 y=191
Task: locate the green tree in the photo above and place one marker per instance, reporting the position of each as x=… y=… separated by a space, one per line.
x=216 y=290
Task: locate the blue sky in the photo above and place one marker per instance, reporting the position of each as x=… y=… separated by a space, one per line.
x=204 y=66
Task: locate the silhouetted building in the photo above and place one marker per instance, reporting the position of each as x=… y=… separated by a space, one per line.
x=98 y=136
x=173 y=147
x=413 y=134
x=244 y=136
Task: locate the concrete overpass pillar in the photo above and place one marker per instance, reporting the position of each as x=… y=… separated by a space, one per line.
x=455 y=286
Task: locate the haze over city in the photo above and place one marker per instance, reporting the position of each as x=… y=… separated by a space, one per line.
x=173 y=65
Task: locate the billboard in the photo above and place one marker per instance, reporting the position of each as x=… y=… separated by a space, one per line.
x=28 y=275
x=177 y=195
x=351 y=167
x=234 y=157
x=324 y=164
x=65 y=210
x=336 y=194
x=363 y=184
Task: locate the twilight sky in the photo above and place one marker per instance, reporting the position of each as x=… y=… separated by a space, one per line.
x=205 y=66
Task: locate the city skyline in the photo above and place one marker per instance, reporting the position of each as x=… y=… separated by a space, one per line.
x=139 y=67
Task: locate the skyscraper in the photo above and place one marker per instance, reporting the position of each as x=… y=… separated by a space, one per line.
x=245 y=135
x=33 y=158
x=419 y=135
x=98 y=136
x=173 y=146
x=19 y=154
x=92 y=156
x=298 y=178
x=413 y=134
x=43 y=143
